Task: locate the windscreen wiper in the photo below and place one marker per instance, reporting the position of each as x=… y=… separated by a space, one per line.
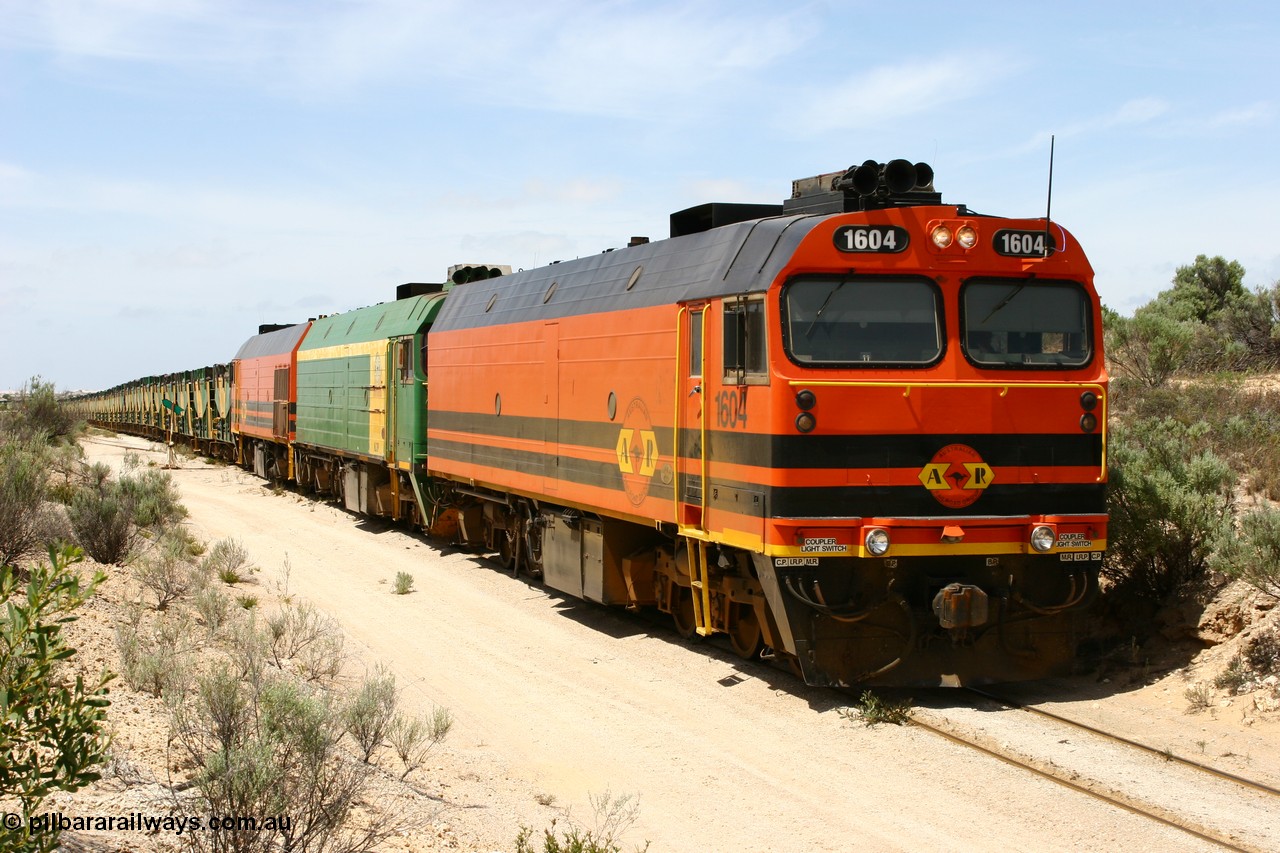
x=1017 y=288
x=823 y=306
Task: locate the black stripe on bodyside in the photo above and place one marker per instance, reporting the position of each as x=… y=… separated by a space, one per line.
x=796 y=501
x=798 y=451
x=531 y=463
x=581 y=433
x=893 y=451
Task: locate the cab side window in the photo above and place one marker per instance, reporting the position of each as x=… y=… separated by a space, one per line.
x=745 y=355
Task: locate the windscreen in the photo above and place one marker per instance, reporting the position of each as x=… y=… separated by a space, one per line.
x=1025 y=322
x=855 y=321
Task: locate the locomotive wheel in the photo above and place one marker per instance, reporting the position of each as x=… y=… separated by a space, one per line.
x=682 y=611
x=745 y=635
x=506 y=547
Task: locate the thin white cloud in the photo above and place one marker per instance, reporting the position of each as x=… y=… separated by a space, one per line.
x=1138 y=111
x=1253 y=115
x=891 y=92
x=618 y=59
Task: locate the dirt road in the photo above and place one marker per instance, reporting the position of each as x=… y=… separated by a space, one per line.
x=560 y=699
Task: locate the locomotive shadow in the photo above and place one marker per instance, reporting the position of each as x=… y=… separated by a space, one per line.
x=654 y=625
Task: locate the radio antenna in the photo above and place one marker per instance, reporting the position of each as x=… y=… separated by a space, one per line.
x=1048 y=205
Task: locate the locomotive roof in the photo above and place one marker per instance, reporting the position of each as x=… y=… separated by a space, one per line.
x=376 y=322
x=272 y=343
x=740 y=258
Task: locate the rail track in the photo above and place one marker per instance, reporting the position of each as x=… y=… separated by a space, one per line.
x=1267 y=797
x=1163 y=754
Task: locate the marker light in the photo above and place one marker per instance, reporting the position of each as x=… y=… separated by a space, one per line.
x=941 y=236
x=805 y=422
x=1042 y=538
x=1088 y=422
x=806 y=400
x=1088 y=400
x=877 y=542
x=967 y=237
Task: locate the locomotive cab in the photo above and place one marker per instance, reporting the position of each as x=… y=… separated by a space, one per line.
x=907 y=431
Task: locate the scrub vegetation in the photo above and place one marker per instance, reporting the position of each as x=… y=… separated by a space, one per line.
x=1193 y=462
x=260 y=720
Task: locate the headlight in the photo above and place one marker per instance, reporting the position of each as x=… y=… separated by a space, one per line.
x=941 y=236
x=1042 y=538
x=877 y=542
x=967 y=237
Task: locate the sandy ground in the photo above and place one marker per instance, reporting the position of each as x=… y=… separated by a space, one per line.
x=558 y=701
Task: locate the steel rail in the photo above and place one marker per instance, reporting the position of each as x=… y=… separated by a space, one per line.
x=1142 y=747
x=1203 y=835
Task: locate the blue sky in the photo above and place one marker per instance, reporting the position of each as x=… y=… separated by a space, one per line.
x=175 y=172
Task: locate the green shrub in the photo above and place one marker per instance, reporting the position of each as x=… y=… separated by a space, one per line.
x=229 y=561
x=1168 y=506
x=52 y=730
x=308 y=640
x=158 y=661
x=24 y=521
x=1263 y=652
x=372 y=711
x=404 y=583
x=1233 y=676
x=1253 y=554
x=153 y=497
x=101 y=518
x=109 y=516
x=1199 y=696
x=413 y=737
x=273 y=752
x=214 y=608
x=166 y=570
x=36 y=413
x=1149 y=346
x=613 y=816
x=872 y=710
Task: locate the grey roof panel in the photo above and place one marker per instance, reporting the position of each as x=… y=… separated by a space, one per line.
x=742 y=258
x=272 y=343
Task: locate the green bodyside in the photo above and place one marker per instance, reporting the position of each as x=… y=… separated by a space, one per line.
x=353 y=397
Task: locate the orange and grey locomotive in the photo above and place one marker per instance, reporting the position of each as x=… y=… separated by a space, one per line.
x=862 y=431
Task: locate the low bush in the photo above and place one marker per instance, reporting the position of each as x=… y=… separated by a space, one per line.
x=274 y=752
x=1263 y=652
x=52 y=728
x=613 y=816
x=372 y=712
x=166 y=571
x=110 y=516
x=228 y=560
x=413 y=737
x=26 y=525
x=1252 y=553
x=159 y=660
x=213 y=607
x=1169 y=508
x=306 y=640
x=36 y=413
